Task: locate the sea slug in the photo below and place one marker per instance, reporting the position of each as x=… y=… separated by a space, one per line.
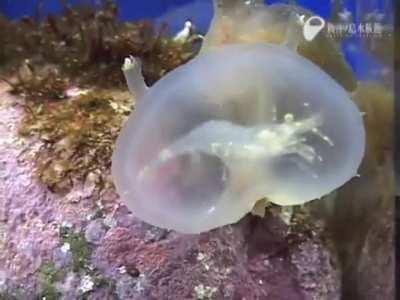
x=238 y=123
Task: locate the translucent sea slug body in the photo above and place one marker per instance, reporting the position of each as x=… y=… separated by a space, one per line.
x=238 y=123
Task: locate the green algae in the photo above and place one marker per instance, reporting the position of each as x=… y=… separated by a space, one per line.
x=79 y=247
x=48 y=277
x=81 y=253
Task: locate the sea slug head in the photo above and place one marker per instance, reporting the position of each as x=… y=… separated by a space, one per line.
x=236 y=124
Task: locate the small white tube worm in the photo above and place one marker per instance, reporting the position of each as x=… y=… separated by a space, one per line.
x=184 y=34
x=132 y=69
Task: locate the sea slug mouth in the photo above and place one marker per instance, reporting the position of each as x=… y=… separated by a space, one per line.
x=190 y=181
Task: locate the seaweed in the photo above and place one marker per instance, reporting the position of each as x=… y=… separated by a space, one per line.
x=80 y=250
x=48 y=276
x=34 y=85
x=44 y=59
x=89 y=46
x=78 y=135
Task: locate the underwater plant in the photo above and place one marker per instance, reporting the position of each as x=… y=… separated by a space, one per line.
x=257 y=114
x=88 y=44
x=67 y=70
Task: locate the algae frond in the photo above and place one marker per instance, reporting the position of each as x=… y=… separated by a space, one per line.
x=78 y=136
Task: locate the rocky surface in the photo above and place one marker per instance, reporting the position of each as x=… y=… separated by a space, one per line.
x=86 y=244
x=376 y=265
x=255 y=259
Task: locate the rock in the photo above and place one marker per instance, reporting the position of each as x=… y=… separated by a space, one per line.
x=129 y=288
x=128 y=259
x=62 y=257
x=376 y=265
x=95 y=231
x=102 y=293
x=69 y=286
x=86 y=285
x=254 y=259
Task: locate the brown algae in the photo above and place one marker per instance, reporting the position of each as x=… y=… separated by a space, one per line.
x=68 y=70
